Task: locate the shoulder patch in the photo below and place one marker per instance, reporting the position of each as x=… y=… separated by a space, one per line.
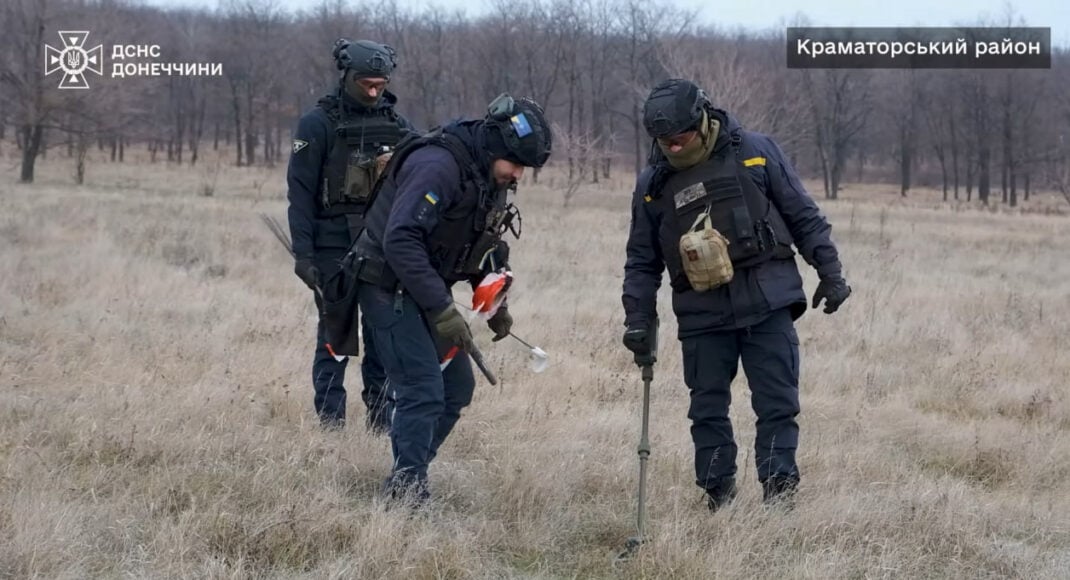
x=299 y=145
x=754 y=161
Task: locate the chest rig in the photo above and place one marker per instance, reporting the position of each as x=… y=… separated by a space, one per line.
x=736 y=207
x=352 y=171
x=467 y=240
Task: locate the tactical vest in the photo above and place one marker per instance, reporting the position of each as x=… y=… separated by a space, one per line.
x=351 y=171
x=467 y=237
x=737 y=207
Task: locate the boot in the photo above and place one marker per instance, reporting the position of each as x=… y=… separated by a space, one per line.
x=779 y=490
x=405 y=492
x=721 y=494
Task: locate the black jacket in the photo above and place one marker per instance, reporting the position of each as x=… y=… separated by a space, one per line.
x=400 y=222
x=754 y=292
x=312 y=145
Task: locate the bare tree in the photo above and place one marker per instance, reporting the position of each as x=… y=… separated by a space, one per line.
x=901 y=92
x=645 y=28
x=22 y=41
x=590 y=63
x=839 y=102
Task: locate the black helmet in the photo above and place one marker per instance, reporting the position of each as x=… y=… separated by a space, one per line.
x=525 y=136
x=673 y=106
x=366 y=58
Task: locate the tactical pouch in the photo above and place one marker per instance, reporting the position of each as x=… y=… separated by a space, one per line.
x=721 y=200
x=479 y=255
x=340 y=308
x=362 y=171
x=705 y=256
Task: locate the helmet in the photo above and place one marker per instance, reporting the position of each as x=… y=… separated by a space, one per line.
x=673 y=107
x=526 y=137
x=366 y=58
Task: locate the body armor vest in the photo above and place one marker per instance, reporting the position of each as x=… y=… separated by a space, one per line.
x=351 y=170
x=737 y=209
x=466 y=242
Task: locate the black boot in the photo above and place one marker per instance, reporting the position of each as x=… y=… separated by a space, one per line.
x=329 y=423
x=721 y=494
x=403 y=491
x=780 y=490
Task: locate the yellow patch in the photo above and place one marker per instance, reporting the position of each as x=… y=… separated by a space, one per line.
x=753 y=161
x=647 y=198
x=431 y=197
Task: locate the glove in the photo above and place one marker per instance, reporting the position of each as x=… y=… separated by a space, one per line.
x=307 y=272
x=833 y=291
x=450 y=325
x=637 y=339
x=501 y=323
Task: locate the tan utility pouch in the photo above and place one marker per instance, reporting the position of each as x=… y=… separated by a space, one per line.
x=704 y=253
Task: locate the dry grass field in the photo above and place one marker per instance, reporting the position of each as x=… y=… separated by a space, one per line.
x=156 y=421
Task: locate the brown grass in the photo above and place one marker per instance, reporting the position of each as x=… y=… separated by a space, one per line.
x=155 y=405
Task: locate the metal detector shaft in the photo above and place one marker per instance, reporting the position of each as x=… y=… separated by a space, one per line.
x=646 y=361
x=644 y=452
x=522 y=341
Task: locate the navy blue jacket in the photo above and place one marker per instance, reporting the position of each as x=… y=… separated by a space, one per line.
x=429 y=182
x=313 y=141
x=754 y=292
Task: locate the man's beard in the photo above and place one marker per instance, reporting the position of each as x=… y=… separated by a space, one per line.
x=499 y=186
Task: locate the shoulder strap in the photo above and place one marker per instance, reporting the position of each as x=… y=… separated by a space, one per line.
x=462 y=156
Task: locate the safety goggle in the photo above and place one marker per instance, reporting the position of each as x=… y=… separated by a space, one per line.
x=679 y=140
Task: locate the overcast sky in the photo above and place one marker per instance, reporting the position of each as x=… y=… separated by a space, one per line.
x=775 y=13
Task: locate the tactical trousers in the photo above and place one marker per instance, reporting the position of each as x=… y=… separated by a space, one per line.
x=770 y=354
x=328 y=373
x=428 y=400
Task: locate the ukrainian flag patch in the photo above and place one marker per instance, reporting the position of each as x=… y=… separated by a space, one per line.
x=753 y=161
x=431 y=197
x=521 y=125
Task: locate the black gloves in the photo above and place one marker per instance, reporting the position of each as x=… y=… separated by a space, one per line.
x=642 y=342
x=501 y=323
x=637 y=339
x=833 y=290
x=307 y=272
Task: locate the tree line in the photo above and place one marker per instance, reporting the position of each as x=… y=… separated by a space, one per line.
x=973 y=133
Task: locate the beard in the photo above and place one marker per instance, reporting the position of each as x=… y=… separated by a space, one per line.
x=500 y=183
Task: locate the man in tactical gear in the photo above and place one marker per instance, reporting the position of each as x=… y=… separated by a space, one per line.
x=736 y=291
x=339 y=150
x=438 y=219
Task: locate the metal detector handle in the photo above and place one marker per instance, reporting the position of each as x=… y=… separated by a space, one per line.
x=647 y=360
x=478 y=357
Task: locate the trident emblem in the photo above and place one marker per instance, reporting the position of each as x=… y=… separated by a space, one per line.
x=74 y=59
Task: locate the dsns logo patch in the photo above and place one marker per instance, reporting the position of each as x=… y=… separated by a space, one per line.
x=74 y=59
